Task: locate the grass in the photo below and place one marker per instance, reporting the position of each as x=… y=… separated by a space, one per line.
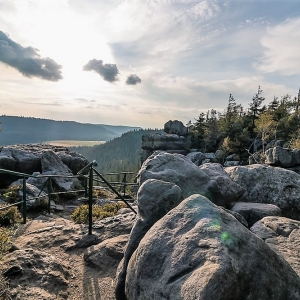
x=81 y=213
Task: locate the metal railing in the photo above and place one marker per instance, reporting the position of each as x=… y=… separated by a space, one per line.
x=88 y=174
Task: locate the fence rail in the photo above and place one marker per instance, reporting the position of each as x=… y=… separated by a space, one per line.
x=88 y=174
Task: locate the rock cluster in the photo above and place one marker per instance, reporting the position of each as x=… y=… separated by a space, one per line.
x=282 y=157
x=41 y=161
x=28 y=159
x=184 y=245
x=177 y=139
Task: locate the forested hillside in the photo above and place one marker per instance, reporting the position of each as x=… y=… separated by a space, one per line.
x=119 y=154
x=237 y=128
x=23 y=130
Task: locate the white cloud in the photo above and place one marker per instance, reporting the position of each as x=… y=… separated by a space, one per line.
x=281 y=49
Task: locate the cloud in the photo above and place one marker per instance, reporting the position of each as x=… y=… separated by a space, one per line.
x=281 y=49
x=27 y=60
x=133 y=79
x=109 y=72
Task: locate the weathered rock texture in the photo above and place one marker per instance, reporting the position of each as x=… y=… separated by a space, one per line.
x=198 y=251
x=283 y=236
x=174 y=140
x=253 y=212
x=106 y=256
x=270 y=185
x=210 y=181
x=52 y=165
x=27 y=159
x=282 y=157
x=175 y=127
x=155 y=199
x=51 y=278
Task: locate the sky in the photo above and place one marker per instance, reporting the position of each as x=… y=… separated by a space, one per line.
x=144 y=62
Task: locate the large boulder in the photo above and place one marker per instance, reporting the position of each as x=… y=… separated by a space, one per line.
x=282 y=157
x=282 y=235
x=155 y=199
x=175 y=127
x=196 y=157
x=180 y=170
x=270 y=185
x=52 y=165
x=199 y=251
x=27 y=159
x=253 y=212
x=106 y=256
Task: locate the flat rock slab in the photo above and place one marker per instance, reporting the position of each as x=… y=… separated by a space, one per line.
x=38 y=273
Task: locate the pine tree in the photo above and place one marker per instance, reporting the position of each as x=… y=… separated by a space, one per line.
x=255 y=109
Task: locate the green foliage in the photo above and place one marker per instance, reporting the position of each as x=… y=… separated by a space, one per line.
x=81 y=213
x=12 y=194
x=9 y=216
x=4 y=240
x=118 y=155
x=236 y=128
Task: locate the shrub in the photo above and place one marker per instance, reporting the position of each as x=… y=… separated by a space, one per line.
x=81 y=213
x=12 y=194
x=4 y=240
x=9 y=216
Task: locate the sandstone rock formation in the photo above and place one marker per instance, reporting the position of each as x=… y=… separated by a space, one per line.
x=282 y=157
x=253 y=212
x=27 y=159
x=53 y=258
x=155 y=199
x=178 y=169
x=270 y=185
x=52 y=165
x=282 y=235
x=175 y=127
x=198 y=251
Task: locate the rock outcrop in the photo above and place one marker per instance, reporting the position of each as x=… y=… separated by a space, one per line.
x=155 y=199
x=282 y=235
x=27 y=159
x=51 y=280
x=174 y=140
x=282 y=157
x=199 y=251
x=175 y=127
x=270 y=185
x=211 y=181
x=253 y=212
x=52 y=165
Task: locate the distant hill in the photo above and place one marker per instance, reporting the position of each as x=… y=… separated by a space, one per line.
x=119 y=154
x=26 y=130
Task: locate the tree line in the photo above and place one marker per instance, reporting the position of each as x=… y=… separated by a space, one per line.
x=118 y=155
x=236 y=128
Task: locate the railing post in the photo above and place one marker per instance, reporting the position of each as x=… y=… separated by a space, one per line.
x=85 y=187
x=90 y=200
x=24 y=201
x=49 y=194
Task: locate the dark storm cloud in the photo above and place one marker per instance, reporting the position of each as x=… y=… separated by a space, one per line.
x=133 y=79
x=108 y=72
x=27 y=60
